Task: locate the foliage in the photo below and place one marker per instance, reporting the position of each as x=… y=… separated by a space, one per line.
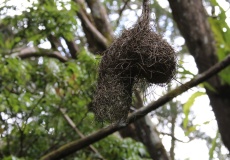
x=38 y=22
x=121 y=149
x=187 y=106
x=221 y=32
x=31 y=95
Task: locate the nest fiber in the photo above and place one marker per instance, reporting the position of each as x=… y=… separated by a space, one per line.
x=139 y=54
x=112 y=99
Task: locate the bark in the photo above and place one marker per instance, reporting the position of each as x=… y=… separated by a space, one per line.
x=129 y=131
x=173 y=141
x=193 y=24
x=100 y=18
x=145 y=131
x=73 y=48
x=96 y=41
x=36 y=52
x=74 y=146
x=149 y=136
x=54 y=41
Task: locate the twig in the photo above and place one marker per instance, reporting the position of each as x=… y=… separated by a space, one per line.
x=173 y=137
x=72 y=124
x=73 y=48
x=146 y=8
x=74 y=146
x=121 y=12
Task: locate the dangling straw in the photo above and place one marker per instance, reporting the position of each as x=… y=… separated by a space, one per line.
x=144 y=20
x=146 y=9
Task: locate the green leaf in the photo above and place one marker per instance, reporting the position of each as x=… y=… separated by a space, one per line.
x=221 y=32
x=187 y=106
x=190 y=130
x=214 y=144
x=209 y=87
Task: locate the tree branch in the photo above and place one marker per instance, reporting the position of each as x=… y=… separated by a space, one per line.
x=100 y=18
x=151 y=140
x=71 y=123
x=120 y=12
x=73 y=48
x=33 y=52
x=89 y=26
x=173 y=137
x=74 y=146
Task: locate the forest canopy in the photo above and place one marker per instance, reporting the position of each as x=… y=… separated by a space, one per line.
x=55 y=55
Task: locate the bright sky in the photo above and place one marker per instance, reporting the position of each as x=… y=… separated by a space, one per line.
x=196 y=149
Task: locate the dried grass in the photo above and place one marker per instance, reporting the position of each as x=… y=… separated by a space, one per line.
x=138 y=55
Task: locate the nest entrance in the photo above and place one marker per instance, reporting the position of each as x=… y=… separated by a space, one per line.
x=139 y=54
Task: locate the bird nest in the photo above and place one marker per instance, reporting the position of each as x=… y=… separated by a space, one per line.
x=138 y=55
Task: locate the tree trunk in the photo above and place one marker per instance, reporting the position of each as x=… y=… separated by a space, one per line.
x=193 y=24
x=149 y=136
x=145 y=131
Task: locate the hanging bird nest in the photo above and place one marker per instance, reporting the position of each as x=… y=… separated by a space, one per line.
x=138 y=55
x=112 y=99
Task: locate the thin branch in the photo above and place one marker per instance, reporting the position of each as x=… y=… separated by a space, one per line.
x=173 y=137
x=33 y=108
x=74 y=146
x=100 y=18
x=146 y=8
x=73 y=48
x=120 y=12
x=97 y=35
x=33 y=52
x=72 y=124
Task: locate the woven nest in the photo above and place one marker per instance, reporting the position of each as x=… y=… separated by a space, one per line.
x=112 y=99
x=138 y=55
